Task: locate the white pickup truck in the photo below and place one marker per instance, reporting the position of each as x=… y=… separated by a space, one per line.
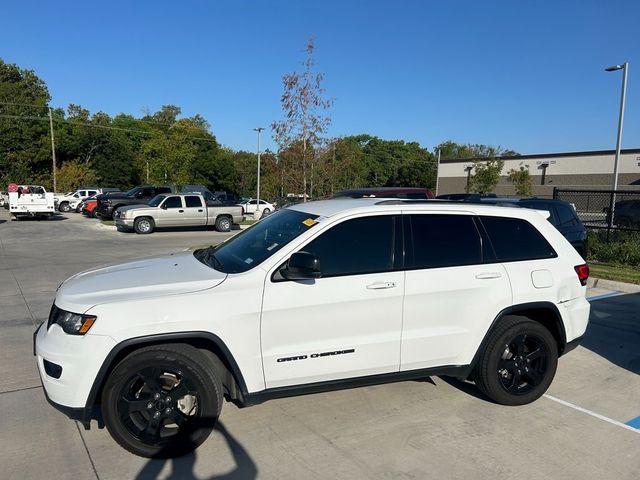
x=31 y=201
x=177 y=210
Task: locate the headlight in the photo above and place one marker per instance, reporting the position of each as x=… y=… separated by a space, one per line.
x=124 y=214
x=71 y=323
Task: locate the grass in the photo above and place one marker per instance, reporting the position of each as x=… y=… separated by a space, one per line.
x=107 y=222
x=620 y=273
x=248 y=222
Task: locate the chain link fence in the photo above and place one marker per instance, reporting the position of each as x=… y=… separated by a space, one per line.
x=613 y=218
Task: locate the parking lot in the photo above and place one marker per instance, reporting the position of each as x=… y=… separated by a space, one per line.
x=434 y=428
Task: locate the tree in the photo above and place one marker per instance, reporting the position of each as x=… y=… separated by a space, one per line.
x=451 y=149
x=521 y=179
x=74 y=174
x=303 y=104
x=486 y=175
x=25 y=148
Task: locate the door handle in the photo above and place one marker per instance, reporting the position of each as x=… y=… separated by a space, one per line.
x=488 y=275
x=200 y=210
x=381 y=285
x=180 y=211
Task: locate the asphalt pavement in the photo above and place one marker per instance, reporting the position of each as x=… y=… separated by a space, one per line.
x=586 y=427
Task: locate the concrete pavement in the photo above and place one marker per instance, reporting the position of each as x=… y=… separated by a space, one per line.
x=435 y=428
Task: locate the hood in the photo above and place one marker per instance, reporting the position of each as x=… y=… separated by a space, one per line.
x=135 y=207
x=113 y=195
x=149 y=277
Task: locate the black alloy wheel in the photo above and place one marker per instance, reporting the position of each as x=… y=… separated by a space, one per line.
x=518 y=361
x=523 y=364
x=163 y=401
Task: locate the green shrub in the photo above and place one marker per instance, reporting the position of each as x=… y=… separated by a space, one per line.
x=621 y=248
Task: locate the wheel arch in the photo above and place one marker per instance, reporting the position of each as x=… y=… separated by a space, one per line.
x=233 y=381
x=545 y=313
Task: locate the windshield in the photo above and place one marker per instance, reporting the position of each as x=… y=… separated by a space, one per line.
x=133 y=191
x=155 y=201
x=254 y=245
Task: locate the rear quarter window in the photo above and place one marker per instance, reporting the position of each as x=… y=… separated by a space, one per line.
x=515 y=239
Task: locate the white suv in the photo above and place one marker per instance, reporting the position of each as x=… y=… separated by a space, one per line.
x=317 y=296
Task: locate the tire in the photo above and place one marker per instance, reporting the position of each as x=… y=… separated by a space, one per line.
x=144 y=225
x=223 y=224
x=92 y=214
x=266 y=211
x=78 y=209
x=518 y=362
x=162 y=401
x=64 y=207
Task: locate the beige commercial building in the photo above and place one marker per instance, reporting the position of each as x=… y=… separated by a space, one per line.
x=579 y=170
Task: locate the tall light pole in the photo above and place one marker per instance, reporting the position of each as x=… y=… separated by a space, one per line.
x=625 y=68
x=438 y=172
x=53 y=151
x=259 y=130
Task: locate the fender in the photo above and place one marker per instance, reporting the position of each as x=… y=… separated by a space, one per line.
x=145 y=340
x=522 y=308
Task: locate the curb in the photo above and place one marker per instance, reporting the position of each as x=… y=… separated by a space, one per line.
x=613 y=285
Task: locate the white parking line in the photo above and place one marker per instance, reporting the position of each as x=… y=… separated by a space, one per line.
x=593 y=414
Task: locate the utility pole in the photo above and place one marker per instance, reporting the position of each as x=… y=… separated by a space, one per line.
x=53 y=151
x=147 y=171
x=259 y=130
x=438 y=173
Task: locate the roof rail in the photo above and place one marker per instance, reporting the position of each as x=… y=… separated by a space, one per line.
x=401 y=201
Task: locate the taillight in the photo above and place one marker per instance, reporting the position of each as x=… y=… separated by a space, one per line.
x=583 y=273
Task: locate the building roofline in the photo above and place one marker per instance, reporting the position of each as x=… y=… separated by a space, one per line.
x=588 y=153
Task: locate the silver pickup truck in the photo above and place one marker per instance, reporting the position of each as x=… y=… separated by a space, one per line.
x=177 y=210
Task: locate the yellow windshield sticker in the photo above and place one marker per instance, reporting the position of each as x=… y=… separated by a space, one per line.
x=309 y=222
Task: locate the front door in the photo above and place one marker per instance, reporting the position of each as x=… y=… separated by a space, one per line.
x=171 y=212
x=346 y=323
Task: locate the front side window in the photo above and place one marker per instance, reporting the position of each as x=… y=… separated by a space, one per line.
x=444 y=241
x=254 y=245
x=515 y=239
x=358 y=246
x=173 y=202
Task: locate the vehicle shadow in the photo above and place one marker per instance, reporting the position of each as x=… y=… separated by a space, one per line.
x=55 y=217
x=614 y=330
x=183 y=468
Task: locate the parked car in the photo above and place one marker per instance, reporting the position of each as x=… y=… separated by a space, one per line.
x=30 y=201
x=69 y=201
x=251 y=207
x=110 y=202
x=465 y=196
x=562 y=215
x=386 y=192
x=177 y=210
x=626 y=214
x=317 y=296
x=89 y=207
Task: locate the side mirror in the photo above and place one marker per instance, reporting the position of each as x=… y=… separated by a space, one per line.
x=301 y=266
x=164 y=206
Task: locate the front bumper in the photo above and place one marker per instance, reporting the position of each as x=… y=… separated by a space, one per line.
x=123 y=223
x=104 y=211
x=80 y=358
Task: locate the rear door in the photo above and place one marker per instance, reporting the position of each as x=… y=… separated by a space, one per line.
x=453 y=290
x=194 y=212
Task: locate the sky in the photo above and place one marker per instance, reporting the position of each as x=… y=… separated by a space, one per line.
x=526 y=75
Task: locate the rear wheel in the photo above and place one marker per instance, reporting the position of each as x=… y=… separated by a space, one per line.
x=518 y=362
x=162 y=401
x=143 y=225
x=223 y=224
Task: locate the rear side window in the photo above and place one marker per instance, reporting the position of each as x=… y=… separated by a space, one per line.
x=192 y=201
x=566 y=216
x=444 y=241
x=358 y=246
x=516 y=239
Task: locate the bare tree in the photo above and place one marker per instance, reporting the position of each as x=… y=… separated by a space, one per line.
x=303 y=104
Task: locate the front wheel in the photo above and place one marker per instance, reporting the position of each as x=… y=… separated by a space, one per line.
x=518 y=362
x=162 y=401
x=143 y=225
x=64 y=207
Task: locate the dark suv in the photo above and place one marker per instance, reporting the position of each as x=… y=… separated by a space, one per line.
x=626 y=214
x=109 y=203
x=562 y=215
x=386 y=192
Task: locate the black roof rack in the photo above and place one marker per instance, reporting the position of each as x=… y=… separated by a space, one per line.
x=401 y=201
